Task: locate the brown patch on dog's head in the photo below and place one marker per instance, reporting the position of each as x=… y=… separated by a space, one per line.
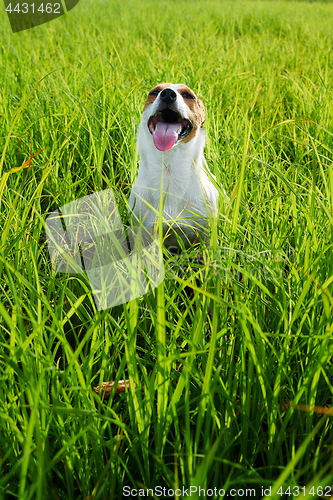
x=154 y=93
x=196 y=111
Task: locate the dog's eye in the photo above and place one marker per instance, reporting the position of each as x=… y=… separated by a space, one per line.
x=187 y=95
x=154 y=92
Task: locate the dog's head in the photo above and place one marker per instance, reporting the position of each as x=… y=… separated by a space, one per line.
x=172 y=114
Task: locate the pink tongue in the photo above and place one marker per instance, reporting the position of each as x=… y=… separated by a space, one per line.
x=165 y=135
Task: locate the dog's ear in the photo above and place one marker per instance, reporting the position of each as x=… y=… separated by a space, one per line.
x=202 y=112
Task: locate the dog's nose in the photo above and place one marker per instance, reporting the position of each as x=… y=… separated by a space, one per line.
x=168 y=96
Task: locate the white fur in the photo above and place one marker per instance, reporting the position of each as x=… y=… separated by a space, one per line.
x=185 y=183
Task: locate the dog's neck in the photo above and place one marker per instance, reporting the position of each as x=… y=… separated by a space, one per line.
x=181 y=166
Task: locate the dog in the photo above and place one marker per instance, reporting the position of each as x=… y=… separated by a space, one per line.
x=171 y=144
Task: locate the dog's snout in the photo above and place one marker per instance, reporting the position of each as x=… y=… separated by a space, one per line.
x=168 y=96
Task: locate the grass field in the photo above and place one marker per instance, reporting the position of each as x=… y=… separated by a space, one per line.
x=231 y=397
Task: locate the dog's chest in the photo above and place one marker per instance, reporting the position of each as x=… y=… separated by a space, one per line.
x=181 y=185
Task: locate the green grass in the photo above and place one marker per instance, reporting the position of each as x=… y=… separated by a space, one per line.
x=207 y=399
